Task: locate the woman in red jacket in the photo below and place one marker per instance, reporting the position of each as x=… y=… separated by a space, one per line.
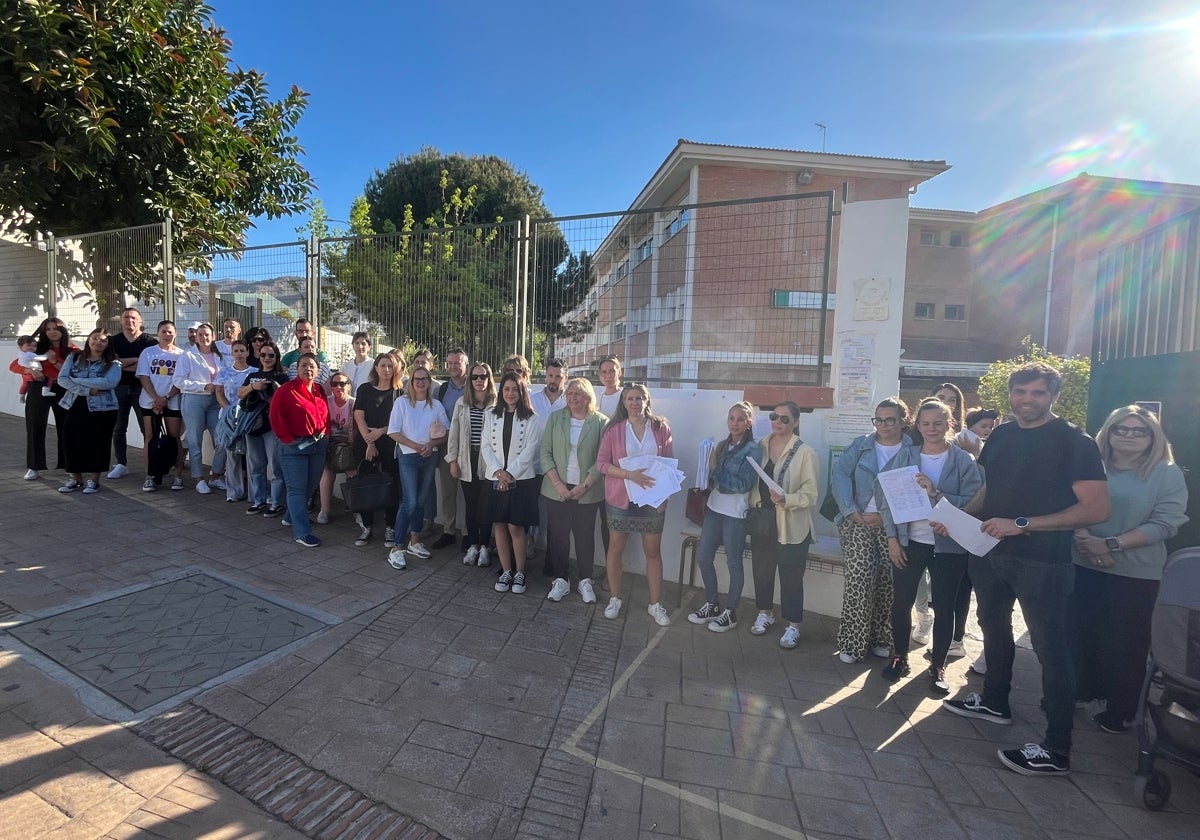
x=54 y=343
x=300 y=419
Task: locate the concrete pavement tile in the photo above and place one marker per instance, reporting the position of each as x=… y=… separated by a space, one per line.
x=755 y=703
x=449 y=739
x=827 y=785
x=118 y=804
x=27 y=815
x=502 y=771
x=638 y=709
x=28 y=755
x=697 y=716
x=356 y=757
x=367 y=690
x=637 y=747
x=230 y=704
x=762 y=678
x=805 y=716
x=891 y=732
x=1122 y=767
x=532 y=662
x=609 y=824
x=763 y=814
x=699 y=738
x=428 y=765
x=507 y=824
x=698 y=820
x=832 y=816
x=141 y=767
x=897 y=767
x=915 y=811
x=613 y=791
x=480 y=643
x=454 y=664
x=949 y=782
x=727 y=773
x=450 y=813
x=836 y=755
x=659 y=811
x=1056 y=803
x=764 y=738
x=965 y=750
x=437 y=628
x=986 y=784
x=412 y=651
x=74 y=786
x=988 y=824
x=654 y=684
x=391 y=672
x=1136 y=821
x=709 y=695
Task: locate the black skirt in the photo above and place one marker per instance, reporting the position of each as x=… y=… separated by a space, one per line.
x=87 y=438
x=516 y=506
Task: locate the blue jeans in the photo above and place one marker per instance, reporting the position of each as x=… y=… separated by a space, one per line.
x=200 y=412
x=718 y=530
x=262 y=454
x=302 y=470
x=416 y=477
x=1044 y=591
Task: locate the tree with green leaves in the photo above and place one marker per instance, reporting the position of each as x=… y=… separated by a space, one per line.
x=1076 y=373
x=119 y=113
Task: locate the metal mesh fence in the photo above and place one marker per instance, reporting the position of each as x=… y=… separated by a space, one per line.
x=721 y=294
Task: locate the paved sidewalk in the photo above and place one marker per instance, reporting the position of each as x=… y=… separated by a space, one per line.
x=431 y=704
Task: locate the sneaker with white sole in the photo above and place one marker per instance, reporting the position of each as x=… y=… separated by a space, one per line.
x=504 y=583
x=484 y=558
x=614 y=607
x=723 y=623
x=979 y=666
x=308 y=541
x=471 y=556
x=1035 y=760
x=972 y=707
x=518 y=583
x=322 y=518
x=70 y=487
x=881 y=651
x=119 y=471
x=396 y=559
x=956 y=649
x=923 y=629
x=938 y=683
x=659 y=613
x=705 y=614
x=586 y=592
x=30 y=475
x=790 y=638
x=91 y=487
x=148 y=486
x=389 y=537
x=558 y=589
x=849 y=658
x=218 y=483
x=416 y=549
x=177 y=483
x=202 y=487
x=364 y=537
x=761 y=623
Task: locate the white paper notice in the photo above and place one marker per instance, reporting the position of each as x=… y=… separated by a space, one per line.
x=770 y=482
x=907 y=501
x=963 y=528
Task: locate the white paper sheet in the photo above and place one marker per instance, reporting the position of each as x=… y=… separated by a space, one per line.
x=770 y=482
x=706 y=447
x=907 y=501
x=668 y=480
x=963 y=528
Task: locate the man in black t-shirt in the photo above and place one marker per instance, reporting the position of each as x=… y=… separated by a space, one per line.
x=128 y=344
x=1044 y=479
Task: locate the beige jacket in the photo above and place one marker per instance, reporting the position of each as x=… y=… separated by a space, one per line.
x=799 y=483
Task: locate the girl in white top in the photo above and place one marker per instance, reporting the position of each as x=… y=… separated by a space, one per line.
x=231 y=378
x=160 y=398
x=359 y=368
x=418 y=425
x=196 y=377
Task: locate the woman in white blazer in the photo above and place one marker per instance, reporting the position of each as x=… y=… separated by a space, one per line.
x=197 y=377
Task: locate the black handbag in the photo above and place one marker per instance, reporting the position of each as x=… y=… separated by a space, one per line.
x=369 y=490
x=829 y=507
x=162 y=451
x=761 y=523
x=339 y=457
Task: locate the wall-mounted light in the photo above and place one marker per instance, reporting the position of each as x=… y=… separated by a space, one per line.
x=804 y=176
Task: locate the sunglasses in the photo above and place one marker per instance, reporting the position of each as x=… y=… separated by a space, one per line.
x=258 y=338
x=340 y=384
x=785 y=419
x=479 y=377
x=266 y=355
x=420 y=379
x=1130 y=431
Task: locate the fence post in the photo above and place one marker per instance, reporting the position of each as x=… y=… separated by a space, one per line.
x=168 y=261
x=526 y=328
x=312 y=279
x=51 y=277
x=516 y=314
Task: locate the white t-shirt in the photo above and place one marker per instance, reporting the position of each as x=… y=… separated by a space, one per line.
x=231 y=380
x=931 y=465
x=648 y=445
x=357 y=373
x=415 y=421
x=883 y=454
x=730 y=504
x=159 y=366
x=573 y=471
x=609 y=402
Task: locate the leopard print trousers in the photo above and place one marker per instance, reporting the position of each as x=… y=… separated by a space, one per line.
x=867 y=597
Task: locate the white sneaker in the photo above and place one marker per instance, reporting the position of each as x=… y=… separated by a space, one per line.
x=119 y=471
x=484 y=558
x=923 y=630
x=471 y=556
x=881 y=651
x=396 y=559
x=322 y=518
x=761 y=624
x=586 y=592
x=218 y=484
x=418 y=550
x=614 y=607
x=70 y=487
x=30 y=475
x=558 y=589
x=202 y=487
x=659 y=613
x=790 y=638
x=364 y=537
x=956 y=649
x=389 y=537
x=91 y=487
x=848 y=658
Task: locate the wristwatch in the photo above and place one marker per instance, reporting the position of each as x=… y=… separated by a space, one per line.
x=1021 y=522
x=1113 y=543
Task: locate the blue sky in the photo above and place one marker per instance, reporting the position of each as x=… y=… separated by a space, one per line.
x=590 y=98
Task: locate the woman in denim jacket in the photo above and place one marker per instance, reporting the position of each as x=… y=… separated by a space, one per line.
x=867 y=597
x=730 y=479
x=89 y=377
x=944 y=471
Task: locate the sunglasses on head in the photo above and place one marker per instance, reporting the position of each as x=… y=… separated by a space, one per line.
x=785 y=419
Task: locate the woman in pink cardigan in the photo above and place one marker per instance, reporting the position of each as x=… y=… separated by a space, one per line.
x=634 y=430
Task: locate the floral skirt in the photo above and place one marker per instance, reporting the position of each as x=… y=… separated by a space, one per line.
x=636 y=519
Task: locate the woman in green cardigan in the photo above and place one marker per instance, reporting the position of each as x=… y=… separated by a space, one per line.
x=573 y=487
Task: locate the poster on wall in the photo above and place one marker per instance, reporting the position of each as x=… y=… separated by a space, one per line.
x=856 y=352
x=871 y=298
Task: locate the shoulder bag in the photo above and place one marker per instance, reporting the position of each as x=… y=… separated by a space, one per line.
x=761 y=523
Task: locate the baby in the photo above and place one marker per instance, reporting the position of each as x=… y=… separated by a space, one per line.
x=28 y=361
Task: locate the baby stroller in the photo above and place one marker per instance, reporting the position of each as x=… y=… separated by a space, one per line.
x=1168 y=715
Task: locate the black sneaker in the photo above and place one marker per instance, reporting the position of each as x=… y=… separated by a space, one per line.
x=937 y=681
x=274 y=511
x=972 y=707
x=705 y=614
x=518 y=583
x=1109 y=724
x=256 y=509
x=1035 y=760
x=724 y=622
x=443 y=541
x=896 y=669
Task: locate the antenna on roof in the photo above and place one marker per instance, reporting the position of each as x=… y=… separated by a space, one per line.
x=823 y=130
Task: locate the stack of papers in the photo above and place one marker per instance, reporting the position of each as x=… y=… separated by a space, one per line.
x=668 y=479
x=706 y=448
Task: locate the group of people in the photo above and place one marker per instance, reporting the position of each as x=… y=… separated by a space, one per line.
x=1081 y=524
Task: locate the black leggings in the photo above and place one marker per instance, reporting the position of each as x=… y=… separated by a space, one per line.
x=945 y=574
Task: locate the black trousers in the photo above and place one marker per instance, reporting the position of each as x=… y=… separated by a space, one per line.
x=562 y=520
x=127 y=399
x=1111 y=638
x=37 y=417
x=478 y=527
x=945 y=575
x=791 y=562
